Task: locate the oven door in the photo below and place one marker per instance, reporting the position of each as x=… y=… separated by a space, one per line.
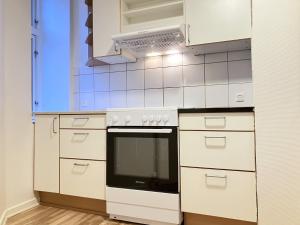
x=143 y=158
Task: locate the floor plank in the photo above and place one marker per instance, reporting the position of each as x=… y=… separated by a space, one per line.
x=44 y=215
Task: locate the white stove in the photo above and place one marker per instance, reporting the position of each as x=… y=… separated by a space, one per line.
x=142 y=166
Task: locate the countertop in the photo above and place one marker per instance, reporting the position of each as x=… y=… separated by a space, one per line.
x=71 y=113
x=188 y=110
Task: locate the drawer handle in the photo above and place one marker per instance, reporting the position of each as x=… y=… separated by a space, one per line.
x=81 y=137
x=216 y=183
x=216 y=145
x=81 y=121
x=214 y=176
x=81 y=164
x=85 y=134
x=206 y=119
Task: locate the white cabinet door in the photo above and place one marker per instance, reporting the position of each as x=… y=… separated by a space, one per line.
x=46 y=169
x=83 y=144
x=107 y=22
x=210 y=21
x=83 y=178
x=217 y=149
x=220 y=193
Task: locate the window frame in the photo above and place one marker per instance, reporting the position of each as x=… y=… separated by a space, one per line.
x=35 y=52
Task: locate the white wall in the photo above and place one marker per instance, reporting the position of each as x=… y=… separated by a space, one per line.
x=18 y=128
x=2 y=162
x=276 y=76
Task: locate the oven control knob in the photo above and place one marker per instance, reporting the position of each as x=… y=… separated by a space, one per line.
x=144 y=119
x=158 y=119
x=127 y=119
x=166 y=118
x=115 y=119
x=151 y=119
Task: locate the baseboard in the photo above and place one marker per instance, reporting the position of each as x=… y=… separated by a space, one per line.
x=196 y=219
x=17 y=209
x=86 y=205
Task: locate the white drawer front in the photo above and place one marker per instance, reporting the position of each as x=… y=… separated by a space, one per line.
x=83 y=178
x=217 y=121
x=218 y=150
x=228 y=194
x=83 y=121
x=83 y=144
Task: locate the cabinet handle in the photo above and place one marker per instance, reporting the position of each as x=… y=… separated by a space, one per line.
x=53 y=125
x=84 y=119
x=216 y=184
x=81 y=118
x=214 y=176
x=215 y=118
x=224 y=138
x=81 y=164
x=188 y=33
x=81 y=133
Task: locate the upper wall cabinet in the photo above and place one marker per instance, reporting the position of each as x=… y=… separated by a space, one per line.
x=106 y=19
x=211 y=21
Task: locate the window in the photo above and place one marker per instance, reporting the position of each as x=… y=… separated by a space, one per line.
x=35 y=37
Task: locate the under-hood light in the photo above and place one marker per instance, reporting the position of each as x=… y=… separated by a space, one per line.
x=151 y=54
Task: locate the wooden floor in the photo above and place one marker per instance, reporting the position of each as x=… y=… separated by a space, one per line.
x=42 y=215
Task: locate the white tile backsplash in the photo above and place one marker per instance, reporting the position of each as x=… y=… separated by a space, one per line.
x=241 y=95
x=173 y=97
x=216 y=96
x=240 y=71
x=154 y=98
x=139 y=65
x=136 y=98
x=118 y=99
x=117 y=67
x=194 y=97
x=86 y=101
x=117 y=81
x=101 y=69
x=239 y=55
x=154 y=78
x=101 y=82
x=216 y=73
x=192 y=59
x=135 y=79
x=86 y=70
x=172 y=76
x=216 y=57
x=153 y=62
x=101 y=100
x=86 y=83
x=172 y=60
x=193 y=75
x=181 y=80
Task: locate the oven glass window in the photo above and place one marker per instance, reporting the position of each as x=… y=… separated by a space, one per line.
x=146 y=156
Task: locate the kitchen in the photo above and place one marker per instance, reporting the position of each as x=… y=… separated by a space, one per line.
x=151 y=111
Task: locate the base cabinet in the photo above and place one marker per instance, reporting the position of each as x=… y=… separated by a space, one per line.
x=228 y=194
x=218 y=171
x=70 y=155
x=46 y=157
x=84 y=178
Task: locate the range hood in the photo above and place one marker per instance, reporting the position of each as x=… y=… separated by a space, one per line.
x=152 y=40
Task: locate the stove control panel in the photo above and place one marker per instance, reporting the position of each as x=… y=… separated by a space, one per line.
x=142 y=117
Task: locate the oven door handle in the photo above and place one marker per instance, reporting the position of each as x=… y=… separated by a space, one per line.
x=154 y=131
